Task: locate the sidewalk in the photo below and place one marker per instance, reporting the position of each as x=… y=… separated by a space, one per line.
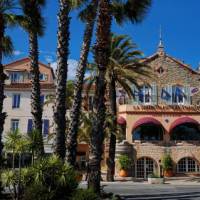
x=171 y=180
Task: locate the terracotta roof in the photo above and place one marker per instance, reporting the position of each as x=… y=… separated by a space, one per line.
x=27 y=59
x=28 y=86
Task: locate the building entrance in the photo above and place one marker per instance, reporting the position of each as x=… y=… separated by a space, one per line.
x=145 y=166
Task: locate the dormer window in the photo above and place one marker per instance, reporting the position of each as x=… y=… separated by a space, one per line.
x=43 y=77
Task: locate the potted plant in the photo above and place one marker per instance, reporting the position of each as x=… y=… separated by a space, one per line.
x=155 y=179
x=167 y=165
x=125 y=163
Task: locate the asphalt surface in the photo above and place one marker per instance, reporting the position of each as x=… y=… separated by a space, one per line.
x=144 y=191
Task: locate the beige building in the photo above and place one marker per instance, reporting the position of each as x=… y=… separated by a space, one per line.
x=163 y=118
x=18 y=92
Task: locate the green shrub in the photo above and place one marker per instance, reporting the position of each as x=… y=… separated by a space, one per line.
x=50 y=175
x=153 y=176
x=85 y=194
x=167 y=162
x=124 y=162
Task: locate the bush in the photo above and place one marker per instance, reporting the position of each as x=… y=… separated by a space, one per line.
x=49 y=179
x=85 y=194
x=167 y=162
x=153 y=176
x=124 y=162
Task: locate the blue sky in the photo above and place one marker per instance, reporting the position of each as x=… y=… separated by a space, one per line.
x=180 y=26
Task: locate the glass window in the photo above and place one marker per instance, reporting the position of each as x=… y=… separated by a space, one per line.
x=186 y=131
x=43 y=77
x=14 y=124
x=145 y=95
x=16 y=101
x=148 y=132
x=187 y=165
x=15 y=77
x=45 y=127
x=30 y=125
x=178 y=95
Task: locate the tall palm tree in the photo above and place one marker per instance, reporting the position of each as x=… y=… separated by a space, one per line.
x=34 y=24
x=122 y=11
x=7 y=19
x=75 y=111
x=124 y=70
x=63 y=37
x=102 y=51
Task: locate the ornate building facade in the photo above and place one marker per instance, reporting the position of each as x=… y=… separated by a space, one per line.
x=163 y=118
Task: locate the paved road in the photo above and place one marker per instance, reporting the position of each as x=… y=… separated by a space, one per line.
x=140 y=191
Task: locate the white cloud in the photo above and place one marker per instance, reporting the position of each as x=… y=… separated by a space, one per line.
x=18 y=53
x=72 y=65
x=49 y=59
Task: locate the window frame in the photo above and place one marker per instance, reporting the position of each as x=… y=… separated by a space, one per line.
x=16 y=100
x=14 y=122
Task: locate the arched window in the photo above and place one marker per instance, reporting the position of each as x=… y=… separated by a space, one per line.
x=149 y=132
x=145 y=166
x=186 y=165
x=185 y=131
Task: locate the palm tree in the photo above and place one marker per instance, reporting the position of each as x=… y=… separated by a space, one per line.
x=63 y=37
x=124 y=70
x=7 y=19
x=12 y=139
x=61 y=77
x=75 y=111
x=34 y=25
x=122 y=11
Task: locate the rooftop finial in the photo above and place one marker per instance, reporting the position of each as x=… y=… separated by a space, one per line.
x=160 y=45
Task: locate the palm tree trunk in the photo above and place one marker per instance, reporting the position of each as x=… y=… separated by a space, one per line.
x=112 y=142
x=36 y=108
x=62 y=57
x=75 y=112
x=102 y=52
x=2 y=82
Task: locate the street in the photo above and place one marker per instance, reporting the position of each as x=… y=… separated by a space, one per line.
x=144 y=191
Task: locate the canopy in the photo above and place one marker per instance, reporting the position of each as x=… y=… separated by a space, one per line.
x=146 y=120
x=182 y=120
x=121 y=120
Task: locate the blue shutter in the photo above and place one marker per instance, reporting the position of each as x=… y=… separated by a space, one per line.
x=18 y=100
x=30 y=125
x=46 y=127
x=42 y=99
x=13 y=100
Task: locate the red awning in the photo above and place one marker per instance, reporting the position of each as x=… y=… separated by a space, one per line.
x=121 y=120
x=182 y=120
x=146 y=120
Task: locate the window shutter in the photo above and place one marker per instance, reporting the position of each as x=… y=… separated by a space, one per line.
x=188 y=95
x=169 y=90
x=13 y=101
x=135 y=92
x=154 y=94
x=42 y=99
x=46 y=127
x=30 y=125
x=18 y=100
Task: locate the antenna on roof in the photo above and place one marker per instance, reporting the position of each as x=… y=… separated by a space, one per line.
x=160 y=45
